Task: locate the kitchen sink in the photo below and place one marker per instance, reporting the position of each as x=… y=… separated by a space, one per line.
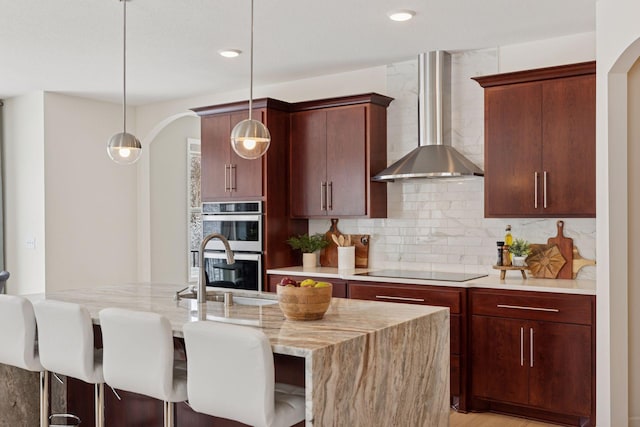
x=240 y=300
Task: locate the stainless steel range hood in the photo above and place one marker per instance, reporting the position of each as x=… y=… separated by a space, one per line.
x=435 y=157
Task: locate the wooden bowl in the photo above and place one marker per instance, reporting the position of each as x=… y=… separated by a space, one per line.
x=304 y=303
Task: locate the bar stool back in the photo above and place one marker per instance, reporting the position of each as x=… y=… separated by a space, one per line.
x=18 y=338
x=138 y=357
x=65 y=340
x=230 y=374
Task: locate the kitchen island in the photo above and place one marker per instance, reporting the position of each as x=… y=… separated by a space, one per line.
x=365 y=364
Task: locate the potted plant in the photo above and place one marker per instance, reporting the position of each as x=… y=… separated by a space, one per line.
x=520 y=249
x=308 y=245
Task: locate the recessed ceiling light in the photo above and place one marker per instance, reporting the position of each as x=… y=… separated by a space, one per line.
x=229 y=53
x=401 y=15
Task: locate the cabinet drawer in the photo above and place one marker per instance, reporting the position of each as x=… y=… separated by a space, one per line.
x=533 y=305
x=409 y=294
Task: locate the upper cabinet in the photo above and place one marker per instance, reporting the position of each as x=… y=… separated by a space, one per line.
x=226 y=175
x=337 y=145
x=540 y=142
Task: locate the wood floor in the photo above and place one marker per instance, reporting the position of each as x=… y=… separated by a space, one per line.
x=491 y=420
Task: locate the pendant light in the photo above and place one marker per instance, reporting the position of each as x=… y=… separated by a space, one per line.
x=124 y=148
x=250 y=139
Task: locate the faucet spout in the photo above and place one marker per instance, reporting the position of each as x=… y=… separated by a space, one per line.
x=202 y=282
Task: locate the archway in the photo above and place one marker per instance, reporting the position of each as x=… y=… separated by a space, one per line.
x=618 y=378
x=170 y=127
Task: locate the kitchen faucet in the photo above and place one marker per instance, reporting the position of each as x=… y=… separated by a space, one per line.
x=202 y=283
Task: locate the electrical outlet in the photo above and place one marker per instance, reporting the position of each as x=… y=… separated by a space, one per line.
x=31 y=243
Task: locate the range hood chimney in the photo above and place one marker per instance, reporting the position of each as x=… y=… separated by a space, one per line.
x=435 y=157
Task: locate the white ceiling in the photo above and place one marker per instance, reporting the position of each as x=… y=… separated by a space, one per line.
x=75 y=46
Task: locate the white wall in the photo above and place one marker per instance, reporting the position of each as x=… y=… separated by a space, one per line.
x=91 y=217
x=168 y=177
x=24 y=173
x=618 y=48
x=548 y=53
x=634 y=253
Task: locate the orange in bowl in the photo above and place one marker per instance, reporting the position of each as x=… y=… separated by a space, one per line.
x=304 y=303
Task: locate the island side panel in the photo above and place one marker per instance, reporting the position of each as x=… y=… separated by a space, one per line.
x=395 y=376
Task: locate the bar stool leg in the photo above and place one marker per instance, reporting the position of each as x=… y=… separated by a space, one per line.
x=99 y=404
x=169 y=414
x=44 y=399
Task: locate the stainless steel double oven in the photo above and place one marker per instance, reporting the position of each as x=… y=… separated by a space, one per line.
x=241 y=223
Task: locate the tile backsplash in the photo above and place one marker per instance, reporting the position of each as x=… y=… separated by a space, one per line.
x=439 y=224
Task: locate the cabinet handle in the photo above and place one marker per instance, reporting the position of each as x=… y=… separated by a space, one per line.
x=226 y=178
x=330 y=192
x=399 y=298
x=535 y=190
x=521 y=346
x=531 y=347
x=520 y=307
x=544 y=194
x=232 y=178
x=323 y=190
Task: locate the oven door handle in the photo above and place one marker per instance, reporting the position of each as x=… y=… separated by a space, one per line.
x=231 y=218
x=237 y=255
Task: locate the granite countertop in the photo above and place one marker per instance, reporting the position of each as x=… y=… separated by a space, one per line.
x=344 y=320
x=513 y=281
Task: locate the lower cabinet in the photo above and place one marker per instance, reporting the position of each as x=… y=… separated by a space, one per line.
x=339 y=286
x=533 y=354
x=453 y=298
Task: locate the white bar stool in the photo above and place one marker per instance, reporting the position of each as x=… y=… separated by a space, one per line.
x=138 y=357
x=65 y=343
x=230 y=374
x=18 y=338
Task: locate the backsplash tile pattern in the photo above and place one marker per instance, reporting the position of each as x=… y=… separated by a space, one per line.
x=439 y=224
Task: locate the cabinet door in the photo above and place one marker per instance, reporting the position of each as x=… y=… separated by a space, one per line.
x=308 y=163
x=568 y=137
x=347 y=161
x=513 y=152
x=499 y=359
x=561 y=367
x=215 y=147
x=245 y=176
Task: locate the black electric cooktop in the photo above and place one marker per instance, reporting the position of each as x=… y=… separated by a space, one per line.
x=424 y=275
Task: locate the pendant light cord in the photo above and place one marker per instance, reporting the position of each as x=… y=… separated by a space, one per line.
x=124 y=67
x=251 y=66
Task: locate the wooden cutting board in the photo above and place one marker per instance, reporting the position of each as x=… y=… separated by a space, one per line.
x=565 y=245
x=329 y=255
x=545 y=261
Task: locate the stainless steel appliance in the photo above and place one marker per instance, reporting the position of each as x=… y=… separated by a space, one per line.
x=241 y=224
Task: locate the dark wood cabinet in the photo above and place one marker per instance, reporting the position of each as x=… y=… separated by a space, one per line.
x=533 y=354
x=453 y=298
x=339 y=286
x=540 y=142
x=224 y=173
x=336 y=146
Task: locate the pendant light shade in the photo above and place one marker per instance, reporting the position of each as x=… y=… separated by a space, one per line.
x=250 y=139
x=124 y=148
